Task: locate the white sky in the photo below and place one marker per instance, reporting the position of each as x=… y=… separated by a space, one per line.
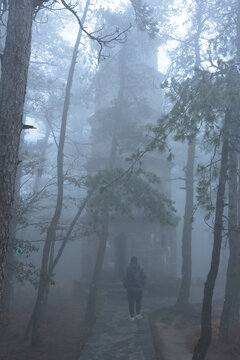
x=163 y=59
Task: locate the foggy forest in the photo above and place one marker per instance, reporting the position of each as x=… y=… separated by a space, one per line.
x=119 y=180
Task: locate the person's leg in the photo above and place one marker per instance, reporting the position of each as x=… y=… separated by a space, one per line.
x=130 y=303
x=134 y=302
x=138 y=297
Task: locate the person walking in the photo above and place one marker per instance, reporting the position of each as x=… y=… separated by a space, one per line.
x=134 y=283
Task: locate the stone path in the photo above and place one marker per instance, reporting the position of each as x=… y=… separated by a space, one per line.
x=115 y=337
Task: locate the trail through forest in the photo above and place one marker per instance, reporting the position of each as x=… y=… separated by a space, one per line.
x=162 y=334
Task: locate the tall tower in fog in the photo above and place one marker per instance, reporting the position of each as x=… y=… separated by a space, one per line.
x=127 y=99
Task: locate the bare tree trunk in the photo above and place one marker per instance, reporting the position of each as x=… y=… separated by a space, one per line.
x=93 y=291
x=230 y=307
x=44 y=283
x=203 y=343
x=236 y=303
x=185 y=286
x=7 y=298
x=236 y=300
x=41 y=301
x=234 y=250
x=12 y=95
x=184 y=292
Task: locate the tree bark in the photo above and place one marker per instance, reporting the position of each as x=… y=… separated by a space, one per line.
x=94 y=286
x=204 y=341
x=184 y=292
x=7 y=300
x=234 y=248
x=232 y=289
x=185 y=286
x=15 y=64
x=236 y=300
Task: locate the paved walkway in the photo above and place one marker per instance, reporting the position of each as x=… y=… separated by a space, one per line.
x=115 y=337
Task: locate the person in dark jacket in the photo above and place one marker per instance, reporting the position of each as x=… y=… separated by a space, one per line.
x=134 y=283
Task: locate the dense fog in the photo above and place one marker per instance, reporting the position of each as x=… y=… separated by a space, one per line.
x=119 y=185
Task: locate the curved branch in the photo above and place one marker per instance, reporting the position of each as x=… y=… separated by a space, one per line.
x=103 y=40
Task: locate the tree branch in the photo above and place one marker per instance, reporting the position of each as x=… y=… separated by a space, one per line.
x=103 y=40
x=65 y=240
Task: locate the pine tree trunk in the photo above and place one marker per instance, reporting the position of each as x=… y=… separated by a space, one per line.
x=7 y=298
x=186 y=276
x=41 y=302
x=12 y=95
x=234 y=250
x=236 y=303
x=184 y=292
x=94 y=286
x=232 y=289
x=203 y=343
x=236 y=300
x=9 y=271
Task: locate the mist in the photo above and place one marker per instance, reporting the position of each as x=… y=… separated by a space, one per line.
x=119 y=188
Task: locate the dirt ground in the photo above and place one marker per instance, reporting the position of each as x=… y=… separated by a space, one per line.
x=175 y=336
x=62 y=333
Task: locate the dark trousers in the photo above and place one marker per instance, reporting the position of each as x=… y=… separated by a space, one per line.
x=134 y=301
